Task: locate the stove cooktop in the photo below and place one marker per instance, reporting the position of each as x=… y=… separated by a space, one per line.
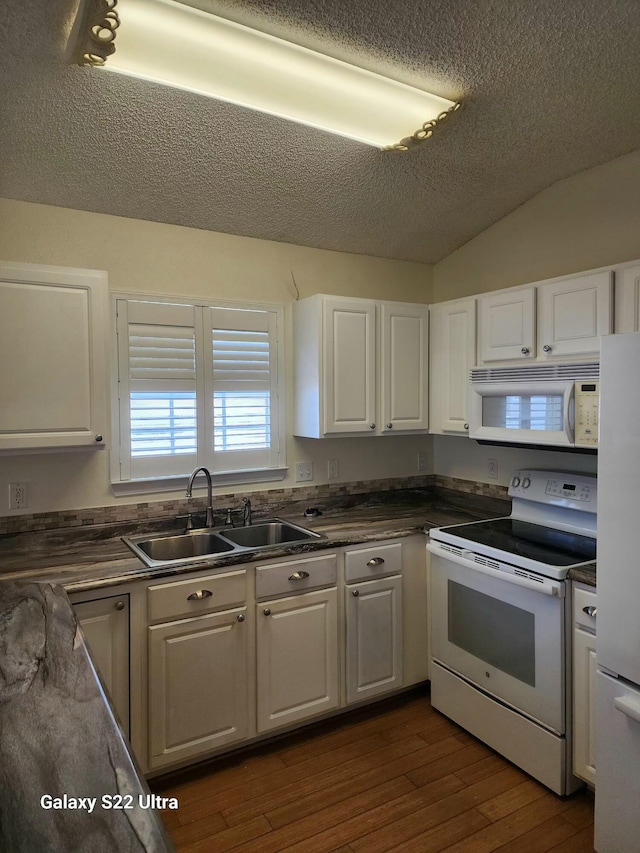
x=522 y=539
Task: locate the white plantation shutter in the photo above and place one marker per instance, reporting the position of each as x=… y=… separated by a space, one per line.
x=197 y=386
x=157 y=347
x=243 y=382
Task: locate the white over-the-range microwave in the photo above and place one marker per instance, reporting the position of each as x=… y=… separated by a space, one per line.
x=546 y=404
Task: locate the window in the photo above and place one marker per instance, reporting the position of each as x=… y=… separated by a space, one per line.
x=197 y=385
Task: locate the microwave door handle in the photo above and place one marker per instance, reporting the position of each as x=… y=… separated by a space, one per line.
x=571 y=414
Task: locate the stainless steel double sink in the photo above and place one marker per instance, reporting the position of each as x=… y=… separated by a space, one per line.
x=195 y=545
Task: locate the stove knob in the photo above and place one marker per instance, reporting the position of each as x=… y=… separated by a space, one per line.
x=515 y=482
x=526 y=483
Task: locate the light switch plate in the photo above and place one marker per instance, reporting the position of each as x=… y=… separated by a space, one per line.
x=304 y=472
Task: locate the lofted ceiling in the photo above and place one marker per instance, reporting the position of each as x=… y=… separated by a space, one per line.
x=550 y=87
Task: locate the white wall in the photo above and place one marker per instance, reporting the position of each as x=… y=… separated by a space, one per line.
x=153 y=257
x=589 y=220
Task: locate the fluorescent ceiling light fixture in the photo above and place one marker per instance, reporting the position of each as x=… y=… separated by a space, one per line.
x=183 y=47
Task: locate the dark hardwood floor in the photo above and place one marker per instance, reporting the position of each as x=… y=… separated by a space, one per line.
x=397 y=776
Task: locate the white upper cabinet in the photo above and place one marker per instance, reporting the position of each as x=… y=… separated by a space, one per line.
x=507 y=325
x=361 y=367
x=558 y=319
x=53 y=347
x=404 y=367
x=453 y=354
x=628 y=299
x=349 y=365
x=573 y=314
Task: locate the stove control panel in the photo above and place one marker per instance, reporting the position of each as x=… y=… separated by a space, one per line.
x=556 y=488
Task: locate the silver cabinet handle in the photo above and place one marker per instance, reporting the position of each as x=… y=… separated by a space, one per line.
x=466 y=426
x=199 y=595
x=591 y=610
x=355 y=593
x=389 y=426
x=267 y=611
x=546 y=348
x=298 y=576
x=372 y=426
x=375 y=561
x=120 y=605
x=98 y=437
x=240 y=617
x=525 y=350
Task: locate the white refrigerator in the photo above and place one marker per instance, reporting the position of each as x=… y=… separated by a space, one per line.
x=617 y=818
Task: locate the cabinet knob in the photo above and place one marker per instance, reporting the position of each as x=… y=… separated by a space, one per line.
x=298 y=576
x=267 y=611
x=372 y=426
x=466 y=426
x=119 y=605
x=389 y=426
x=375 y=561
x=199 y=595
x=355 y=593
x=590 y=610
x=546 y=348
x=240 y=617
x=98 y=437
x=525 y=350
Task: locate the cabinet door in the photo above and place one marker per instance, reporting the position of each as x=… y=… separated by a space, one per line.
x=507 y=324
x=404 y=367
x=297 y=658
x=453 y=353
x=374 y=638
x=105 y=625
x=349 y=366
x=584 y=698
x=52 y=333
x=198 y=686
x=573 y=314
x=628 y=300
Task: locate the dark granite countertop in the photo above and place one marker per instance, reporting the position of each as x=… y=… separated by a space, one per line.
x=95 y=556
x=59 y=740
x=586 y=574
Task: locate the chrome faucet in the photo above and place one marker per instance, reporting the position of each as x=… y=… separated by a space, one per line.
x=207 y=473
x=246 y=512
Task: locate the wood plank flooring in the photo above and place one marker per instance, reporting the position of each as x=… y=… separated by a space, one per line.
x=397 y=776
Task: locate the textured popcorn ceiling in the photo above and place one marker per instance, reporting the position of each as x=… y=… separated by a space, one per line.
x=551 y=87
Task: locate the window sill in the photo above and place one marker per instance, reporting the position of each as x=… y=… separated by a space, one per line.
x=175 y=484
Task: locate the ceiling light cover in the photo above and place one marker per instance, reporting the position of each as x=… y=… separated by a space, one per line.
x=183 y=47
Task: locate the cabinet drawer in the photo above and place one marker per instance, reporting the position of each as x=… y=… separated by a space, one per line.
x=584 y=598
x=298 y=576
x=373 y=562
x=180 y=599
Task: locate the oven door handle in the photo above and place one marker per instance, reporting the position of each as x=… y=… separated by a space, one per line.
x=543 y=586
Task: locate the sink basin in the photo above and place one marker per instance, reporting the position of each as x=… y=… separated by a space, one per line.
x=163 y=550
x=170 y=549
x=264 y=534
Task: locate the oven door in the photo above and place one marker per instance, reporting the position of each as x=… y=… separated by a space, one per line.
x=502 y=632
x=531 y=412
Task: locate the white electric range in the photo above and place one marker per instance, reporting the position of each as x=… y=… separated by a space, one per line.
x=500 y=620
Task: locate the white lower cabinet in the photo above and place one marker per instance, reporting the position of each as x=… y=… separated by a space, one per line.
x=374 y=637
x=297 y=658
x=198 y=685
x=584 y=683
x=221 y=660
x=105 y=625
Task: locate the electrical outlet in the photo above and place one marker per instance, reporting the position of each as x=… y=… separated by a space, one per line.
x=422 y=462
x=332 y=469
x=492 y=468
x=304 y=472
x=18 y=496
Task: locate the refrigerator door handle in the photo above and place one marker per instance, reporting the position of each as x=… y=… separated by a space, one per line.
x=628 y=706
